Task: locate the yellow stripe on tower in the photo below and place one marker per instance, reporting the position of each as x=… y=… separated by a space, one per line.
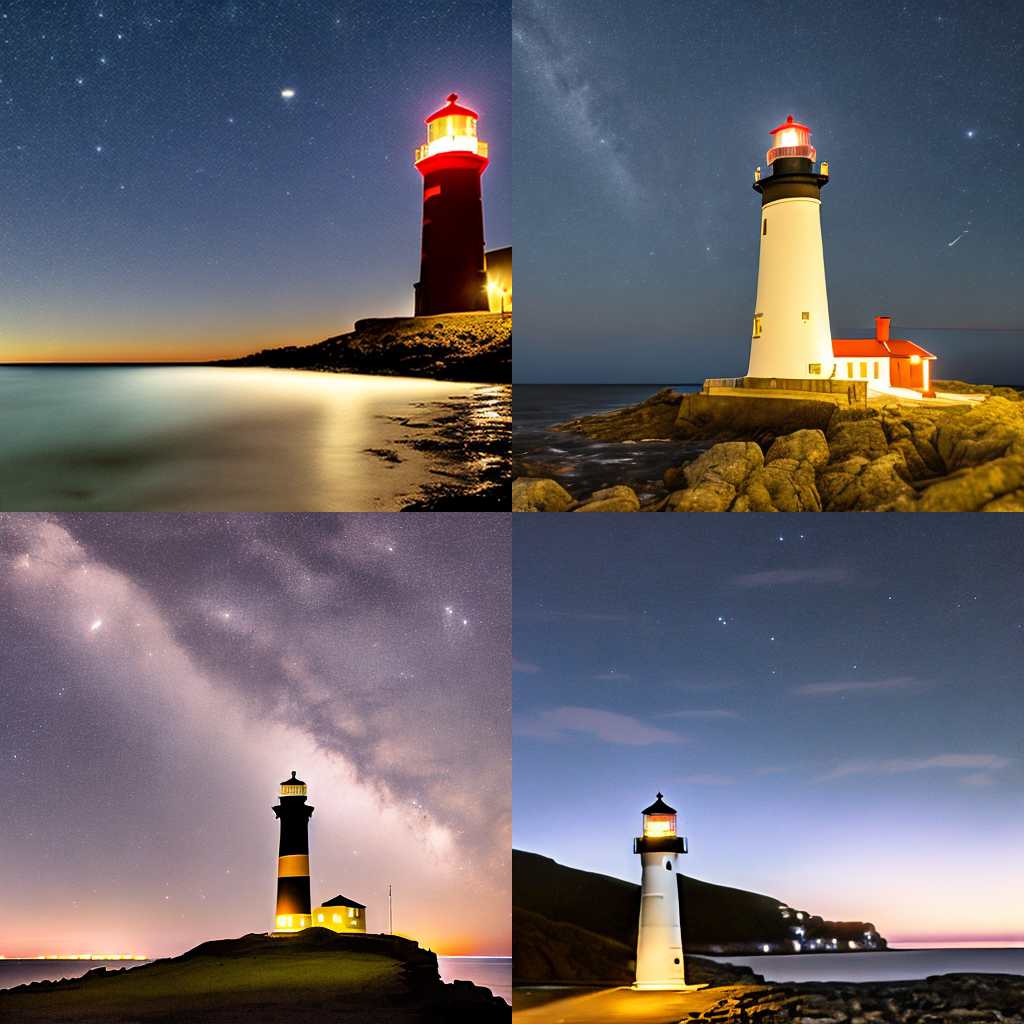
x=293 y=865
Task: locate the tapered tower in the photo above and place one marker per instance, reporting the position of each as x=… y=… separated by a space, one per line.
x=293 y=901
x=453 y=272
x=791 y=335
x=659 y=946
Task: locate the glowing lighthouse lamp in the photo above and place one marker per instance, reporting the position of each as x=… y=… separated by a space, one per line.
x=659 y=948
x=453 y=272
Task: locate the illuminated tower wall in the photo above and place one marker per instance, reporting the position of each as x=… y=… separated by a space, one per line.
x=453 y=276
x=791 y=336
x=293 y=900
x=659 y=948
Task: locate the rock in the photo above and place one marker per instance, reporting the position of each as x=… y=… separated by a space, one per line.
x=802 y=445
x=611 y=499
x=784 y=485
x=863 y=485
x=748 y=417
x=652 y=418
x=540 y=495
x=716 y=477
x=861 y=437
x=988 y=431
x=996 y=486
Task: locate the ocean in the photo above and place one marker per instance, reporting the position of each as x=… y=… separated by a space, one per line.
x=895 y=965
x=225 y=438
x=491 y=972
x=578 y=463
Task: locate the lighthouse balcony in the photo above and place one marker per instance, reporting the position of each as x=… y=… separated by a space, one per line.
x=452 y=144
x=788 y=152
x=659 y=844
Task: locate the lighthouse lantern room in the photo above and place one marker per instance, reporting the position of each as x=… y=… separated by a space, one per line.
x=659 y=951
x=453 y=270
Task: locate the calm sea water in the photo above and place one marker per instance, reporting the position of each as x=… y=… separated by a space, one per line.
x=895 y=965
x=494 y=973
x=578 y=463
x=213 y=438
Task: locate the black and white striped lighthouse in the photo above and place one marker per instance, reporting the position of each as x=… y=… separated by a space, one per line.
x=294 y=908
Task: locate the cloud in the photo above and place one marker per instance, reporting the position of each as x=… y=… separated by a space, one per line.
x=792 y=577
x=525 y=667
x=708 y=780
x=840 y=688
x=705 y=713
x=556 y=723
x=586 y=112
x=907 y=765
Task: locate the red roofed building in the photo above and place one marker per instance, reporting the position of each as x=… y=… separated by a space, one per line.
x=882 y=361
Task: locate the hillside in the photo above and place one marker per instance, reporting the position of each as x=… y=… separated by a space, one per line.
x=305 y=978
x=604 y=910
x=449 y=346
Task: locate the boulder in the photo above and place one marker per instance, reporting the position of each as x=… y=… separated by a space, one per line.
x=612 y=499
x=540 y=495
x=652 y=418
x=860 y=437
x=716 y=477
x=996 y=486
x=859 y=484
x=988 y=431
x=783 y=485
x=802 y=446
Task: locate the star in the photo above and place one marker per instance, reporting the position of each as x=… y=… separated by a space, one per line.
x=970 y=133
x=96 y=625
x=287 y=94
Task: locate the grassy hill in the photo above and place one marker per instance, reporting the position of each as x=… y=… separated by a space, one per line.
x=314 y=976
x=601 y=914
x=449 y=346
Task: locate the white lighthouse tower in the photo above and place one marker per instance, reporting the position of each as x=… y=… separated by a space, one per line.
x=659 y=945
x=791 y=336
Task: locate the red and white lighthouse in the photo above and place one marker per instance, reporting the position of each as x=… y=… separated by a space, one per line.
x=453 y=272
x=791 y=337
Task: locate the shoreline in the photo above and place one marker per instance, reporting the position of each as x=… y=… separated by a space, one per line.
x=754 y=453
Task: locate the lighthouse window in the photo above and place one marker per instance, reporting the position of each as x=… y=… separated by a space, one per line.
x=864 y=370
x=337 y=918
x=764 y=226
x=849 y=369
x=668 y=865
x=876 y=371
x=814 y=368
x=805 y=316
x=676 y=960
x=757 y=325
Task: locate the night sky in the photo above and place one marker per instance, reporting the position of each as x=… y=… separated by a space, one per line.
x=163 y=198
x=638 y=127
x=161 y=674
x=833 y=709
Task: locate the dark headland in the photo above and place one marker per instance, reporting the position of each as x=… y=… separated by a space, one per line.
x=574 y=942
x=309 y=978
x=449 y=346
x=799 y=454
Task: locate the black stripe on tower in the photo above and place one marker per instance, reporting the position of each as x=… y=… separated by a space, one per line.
x=293 y=895
x=791 y=178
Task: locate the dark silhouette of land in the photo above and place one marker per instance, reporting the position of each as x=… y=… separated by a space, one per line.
x=449 y=346
x=313 y=976
x=576 y=926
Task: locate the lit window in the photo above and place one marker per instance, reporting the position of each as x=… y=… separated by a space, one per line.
x=864 y=370
x=849 y=369
x=757 y=325
x=281 y=921
x=815 y=370
x=319 y=917
x=337 y=918
x=351 y=912
x=876 y=371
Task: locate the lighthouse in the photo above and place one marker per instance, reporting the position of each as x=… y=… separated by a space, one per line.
x=791 y=337
x=659 y=945
x=453 y=271
x=293 y=901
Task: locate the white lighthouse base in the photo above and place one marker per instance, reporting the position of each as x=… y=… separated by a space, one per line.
x=668 y=986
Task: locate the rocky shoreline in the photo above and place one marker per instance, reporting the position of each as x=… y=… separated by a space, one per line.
x=798 y=455
x=942 y=999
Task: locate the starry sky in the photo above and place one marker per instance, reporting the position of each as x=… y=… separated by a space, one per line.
x=162 y=673
x=186 y=179
x=831 y=704
x=637 y=131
